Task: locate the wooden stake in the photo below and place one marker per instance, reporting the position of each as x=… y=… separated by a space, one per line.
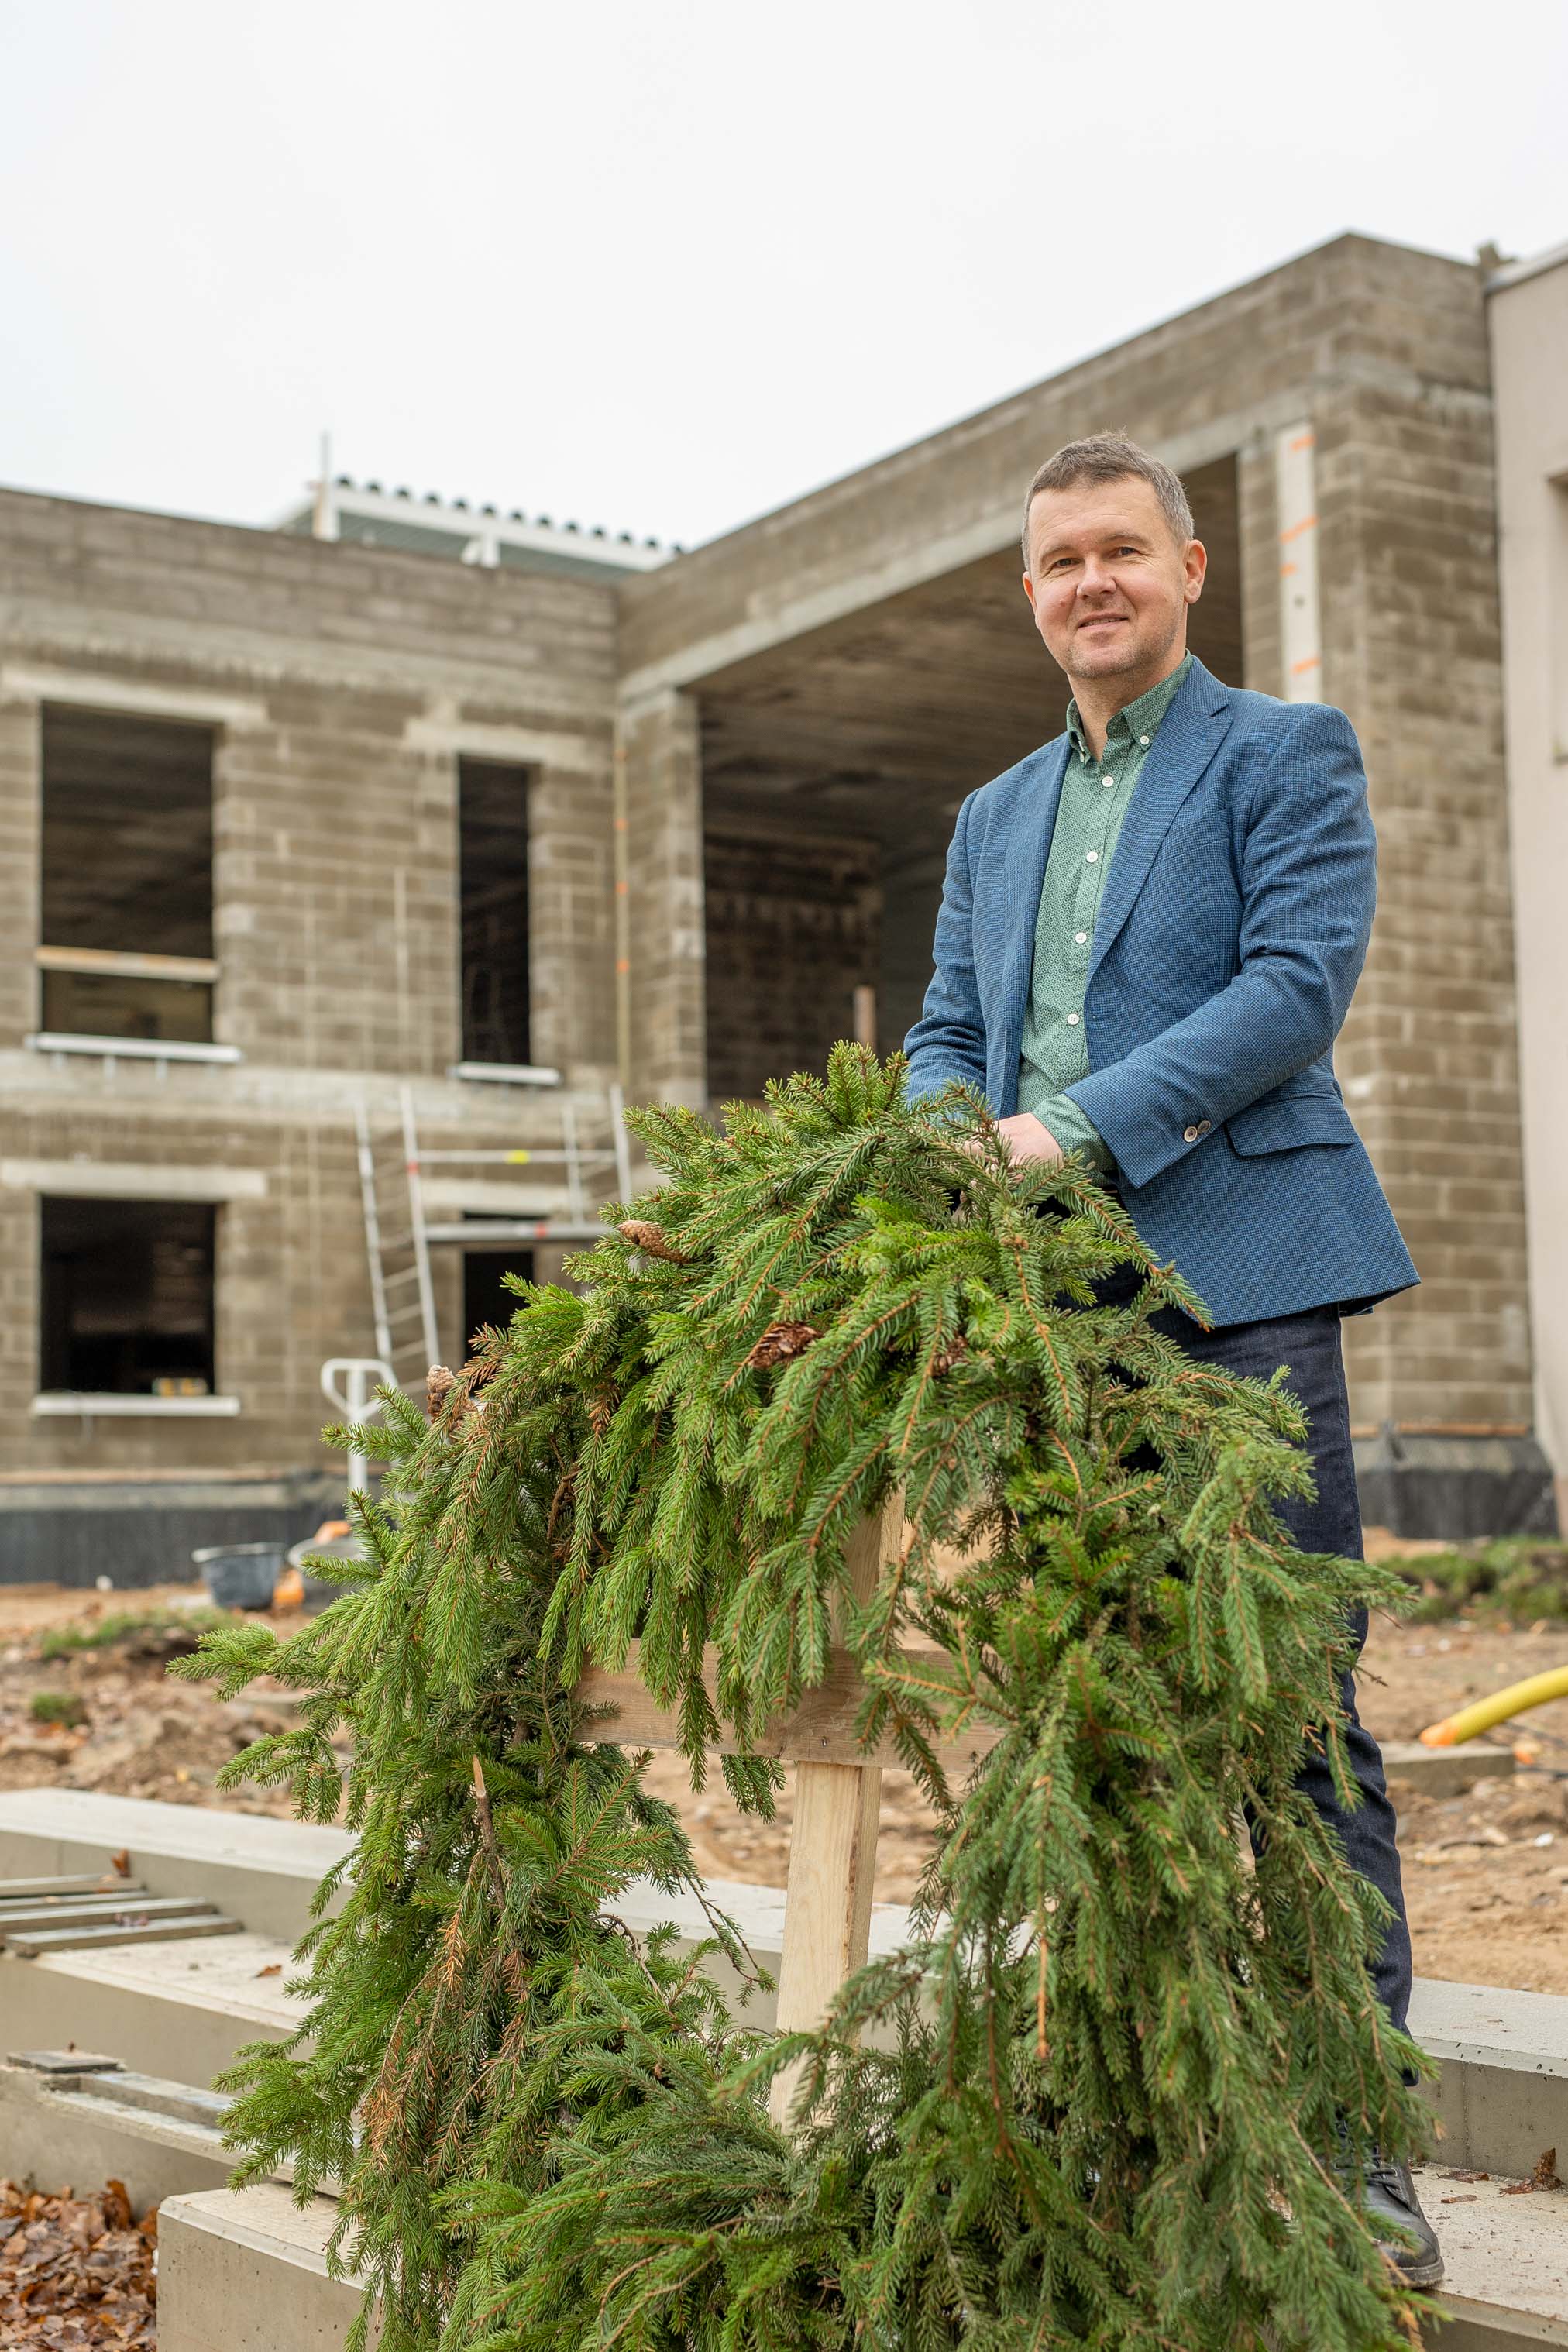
x=832 y=1853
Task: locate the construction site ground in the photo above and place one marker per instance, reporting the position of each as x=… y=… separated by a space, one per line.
x=1486 y=1873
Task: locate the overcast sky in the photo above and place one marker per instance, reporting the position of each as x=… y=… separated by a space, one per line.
x=663 y=267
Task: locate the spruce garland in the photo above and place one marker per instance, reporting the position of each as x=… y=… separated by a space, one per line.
x=1118 y=2091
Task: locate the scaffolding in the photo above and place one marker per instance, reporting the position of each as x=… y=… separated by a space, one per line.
x=400 y=1233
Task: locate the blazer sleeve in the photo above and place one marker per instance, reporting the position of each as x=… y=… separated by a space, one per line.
x=948 y=1041
x=1309 y=886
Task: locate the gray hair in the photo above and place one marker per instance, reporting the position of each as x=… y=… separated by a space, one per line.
x=1111 y=458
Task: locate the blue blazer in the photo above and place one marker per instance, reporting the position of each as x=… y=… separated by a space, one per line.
x=1231 y=933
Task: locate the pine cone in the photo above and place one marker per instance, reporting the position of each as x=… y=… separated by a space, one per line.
x=779 y=1342
x=649 y=1239
x=953 y=1353
x=439 y=1385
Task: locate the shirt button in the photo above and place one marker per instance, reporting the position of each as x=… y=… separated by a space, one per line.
x=1089 y=856
x=1189 y=1135
x=1144 y=741
x=1082 y=938
x=1107 y=781
x=1072 y=1020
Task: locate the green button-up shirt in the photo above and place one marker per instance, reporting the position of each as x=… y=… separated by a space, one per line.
x=1094 y=801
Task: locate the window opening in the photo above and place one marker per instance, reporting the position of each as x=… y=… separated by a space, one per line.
x=127 y=891
x=126 y=1298
x=486 y=1298
x=492 y=865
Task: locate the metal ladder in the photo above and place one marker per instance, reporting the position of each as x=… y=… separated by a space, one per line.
x=399 y=1234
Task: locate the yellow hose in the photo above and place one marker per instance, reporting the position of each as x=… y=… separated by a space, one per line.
x=1515 y=1700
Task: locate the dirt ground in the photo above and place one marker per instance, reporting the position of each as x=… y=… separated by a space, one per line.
x=1486 y=1873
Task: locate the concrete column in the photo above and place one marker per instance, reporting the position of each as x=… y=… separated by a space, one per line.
x=665 y=942
x=571 y=923
x=1258 y=537
x=1428 y=1059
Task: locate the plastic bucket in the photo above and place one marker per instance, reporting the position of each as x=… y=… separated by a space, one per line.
x=241 y=1576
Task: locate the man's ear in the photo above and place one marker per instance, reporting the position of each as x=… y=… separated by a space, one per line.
x=1029 y=588
x=1195 y=563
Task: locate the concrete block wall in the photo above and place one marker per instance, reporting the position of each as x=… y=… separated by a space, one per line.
x=343 y=685
x=793 y=926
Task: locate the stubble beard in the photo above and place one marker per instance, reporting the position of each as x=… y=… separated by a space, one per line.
x=1126 y=655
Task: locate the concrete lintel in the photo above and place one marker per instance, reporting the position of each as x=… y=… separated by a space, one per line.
x=449 y=736
x=103 y=690
x=132 y=1179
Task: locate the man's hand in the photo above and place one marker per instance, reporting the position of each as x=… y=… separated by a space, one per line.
x=1026 y=1139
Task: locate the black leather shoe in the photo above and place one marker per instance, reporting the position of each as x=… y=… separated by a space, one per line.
x=1404 y=2232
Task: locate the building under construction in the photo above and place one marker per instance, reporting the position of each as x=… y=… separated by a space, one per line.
x=406 y=834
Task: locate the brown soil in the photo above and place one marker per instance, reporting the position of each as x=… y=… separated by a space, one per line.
x=142 y=1735
x=1486 y=1873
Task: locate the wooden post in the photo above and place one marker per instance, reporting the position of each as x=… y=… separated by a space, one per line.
x=832 y=1852
x=837 y=1799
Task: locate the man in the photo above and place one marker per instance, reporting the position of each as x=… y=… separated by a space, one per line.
x=1149 y=936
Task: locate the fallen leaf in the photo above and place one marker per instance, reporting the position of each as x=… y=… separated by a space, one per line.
x=273 y=1969
x=1470 y=2199
x=1545 y=2174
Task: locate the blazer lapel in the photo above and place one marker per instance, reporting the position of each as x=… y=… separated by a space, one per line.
x=1024 y=848
x=1193 y=729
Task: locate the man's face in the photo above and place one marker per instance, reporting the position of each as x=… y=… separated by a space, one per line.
x=1109 y=580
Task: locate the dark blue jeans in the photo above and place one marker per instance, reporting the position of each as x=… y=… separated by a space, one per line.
x=1308 y=1346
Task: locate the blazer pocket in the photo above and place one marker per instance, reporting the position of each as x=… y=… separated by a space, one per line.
x=1287 y=1124
x=1210 y=834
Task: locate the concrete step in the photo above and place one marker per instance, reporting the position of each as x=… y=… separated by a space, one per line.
x=161 y=2139
x=53 y=1890
x=1502 y=2096
x=201 y=1920
x=223 y=2258
x=97 y=1911
x=248 y=2273
x=255 y=1868
x=179 y=2010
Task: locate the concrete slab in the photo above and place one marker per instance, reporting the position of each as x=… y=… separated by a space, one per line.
x=1503 y=2094
x=1446 y=1771
x=261 y=1870
x=1507 y=2258
x=176 y=2009
x=248 y=2273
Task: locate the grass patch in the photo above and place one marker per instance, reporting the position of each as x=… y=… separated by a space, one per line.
x=1519 y=1577
x=56 y=1706
x=139 y=1633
